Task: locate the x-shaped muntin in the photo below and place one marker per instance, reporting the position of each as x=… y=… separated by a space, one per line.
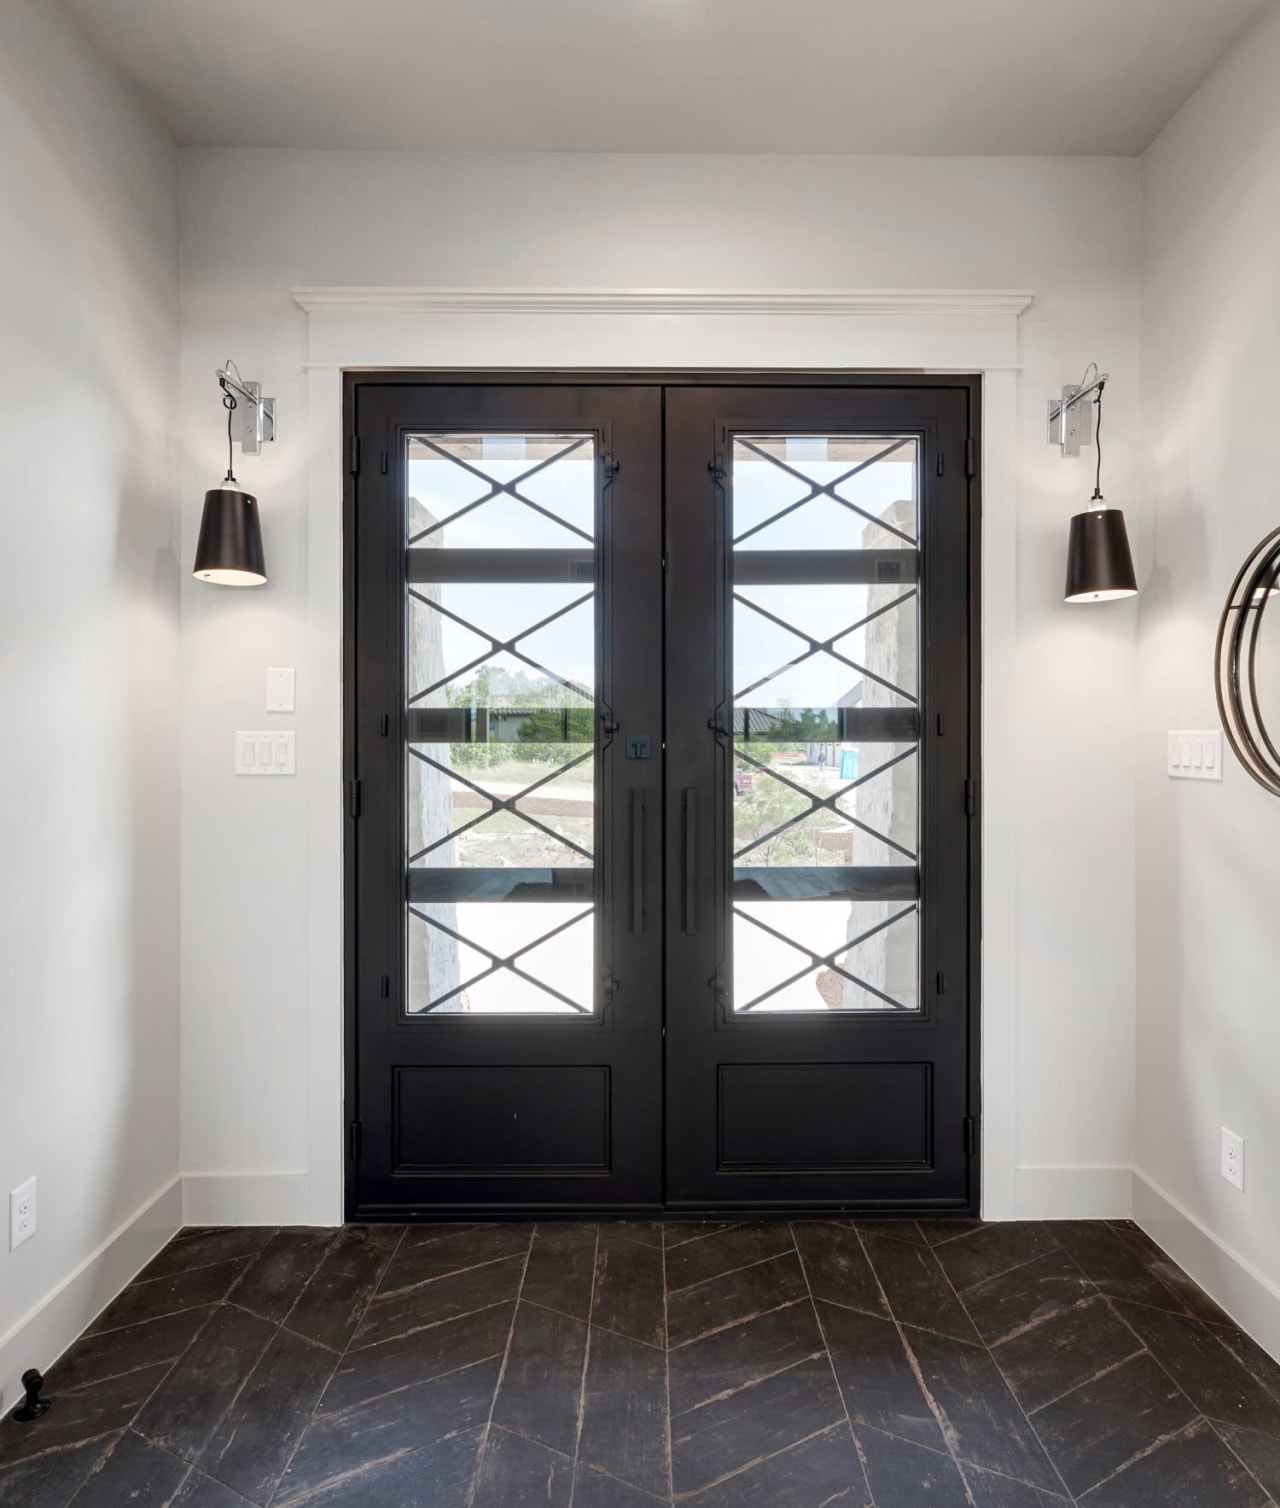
x=824 y=646
x=500 y=804
x=496 y=488
x=497 y=646
x=817 y=961
x=817 y=489
x=497 y=963
x=816 y=803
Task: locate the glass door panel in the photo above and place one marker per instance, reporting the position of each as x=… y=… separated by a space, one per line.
x=500 y=697
x=825 y=573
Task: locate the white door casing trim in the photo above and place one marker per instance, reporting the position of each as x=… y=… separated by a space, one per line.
x=967 y=330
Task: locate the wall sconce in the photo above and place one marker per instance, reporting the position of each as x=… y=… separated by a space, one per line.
x=1099 y=564
x=229 y=551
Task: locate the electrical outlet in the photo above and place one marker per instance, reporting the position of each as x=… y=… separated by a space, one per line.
x=22 y=1214
x=1233 y=1158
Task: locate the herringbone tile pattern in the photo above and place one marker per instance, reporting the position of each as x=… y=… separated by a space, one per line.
x=870 y=1364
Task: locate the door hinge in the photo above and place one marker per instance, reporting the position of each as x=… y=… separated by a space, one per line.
x=384 y=727
x=609 y=468
x=942 y=464
x=353 y=798
x=386 y=986
x=970 y=1136
x=353 y=455
x=353 y=1140
x=384 y=462
x=942 y=983
x=716 y=469
x=970 y=798
x=971 y=457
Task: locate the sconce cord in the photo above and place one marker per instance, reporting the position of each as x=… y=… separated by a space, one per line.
x=229 y=403
x=1097 y=436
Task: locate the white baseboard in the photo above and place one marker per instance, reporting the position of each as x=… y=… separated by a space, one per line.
x=1251 y=1299
x=44 y=1334
x=1073 y=1193
x=246 y=1199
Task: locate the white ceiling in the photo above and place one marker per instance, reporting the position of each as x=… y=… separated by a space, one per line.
x=908 y=76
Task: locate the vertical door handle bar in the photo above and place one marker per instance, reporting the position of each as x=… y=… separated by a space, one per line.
x=637 y=861
x=690 y=858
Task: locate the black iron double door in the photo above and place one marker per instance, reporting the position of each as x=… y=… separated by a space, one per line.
x=662 y=753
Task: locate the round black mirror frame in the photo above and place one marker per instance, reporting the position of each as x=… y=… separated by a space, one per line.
x=1236 y=656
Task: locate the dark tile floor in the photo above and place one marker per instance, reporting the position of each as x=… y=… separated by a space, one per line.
x=871 y=1364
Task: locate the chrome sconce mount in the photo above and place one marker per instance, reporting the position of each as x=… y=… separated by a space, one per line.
x=258 y=426
x=1070 y=417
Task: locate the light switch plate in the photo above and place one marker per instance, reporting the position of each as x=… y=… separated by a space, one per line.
x=266 y=754
x=1195 y=754
x=280 y=688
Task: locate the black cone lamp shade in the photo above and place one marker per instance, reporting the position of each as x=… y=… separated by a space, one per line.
x=1099 y=565
x=229 y=552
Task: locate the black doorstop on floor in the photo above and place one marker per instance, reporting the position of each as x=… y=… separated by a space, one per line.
x=32 y=1406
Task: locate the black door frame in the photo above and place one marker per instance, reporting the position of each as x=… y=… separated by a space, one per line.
x=971 y=383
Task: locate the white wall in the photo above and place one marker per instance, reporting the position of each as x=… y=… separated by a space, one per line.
x=1209 y=855
x=88 y=676
x=257 y=223
x=89 y=656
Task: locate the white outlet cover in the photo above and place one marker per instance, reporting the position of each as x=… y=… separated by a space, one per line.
x=1233 y=1158
x=22 y=1214
x=281 y=684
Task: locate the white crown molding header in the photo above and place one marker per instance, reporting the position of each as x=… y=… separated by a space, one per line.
x=826 y=302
